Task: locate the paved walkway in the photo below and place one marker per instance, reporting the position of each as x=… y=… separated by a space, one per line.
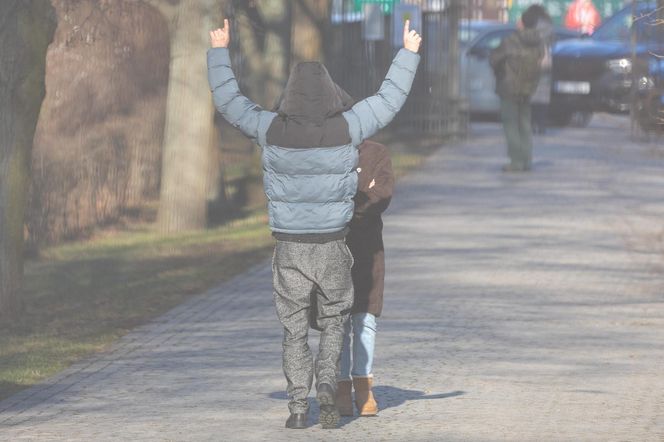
x=518 y=307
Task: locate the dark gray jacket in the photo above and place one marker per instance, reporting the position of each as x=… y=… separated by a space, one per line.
x=517 y=64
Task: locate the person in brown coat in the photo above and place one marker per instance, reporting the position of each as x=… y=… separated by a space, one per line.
x=365 y=241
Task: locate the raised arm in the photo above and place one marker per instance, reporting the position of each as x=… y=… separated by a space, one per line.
x=372 y=114
x=237 y=109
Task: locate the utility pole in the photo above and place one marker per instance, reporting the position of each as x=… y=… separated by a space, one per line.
x=632 y=105
x=456 y=128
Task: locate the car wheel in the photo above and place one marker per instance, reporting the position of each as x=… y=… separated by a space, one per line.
x=560 y=119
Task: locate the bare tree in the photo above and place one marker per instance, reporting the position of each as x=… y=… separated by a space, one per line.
x=97 y=149
x=26 y=30
x=189 y=113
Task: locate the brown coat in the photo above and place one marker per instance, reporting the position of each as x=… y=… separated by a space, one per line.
x=365 y=238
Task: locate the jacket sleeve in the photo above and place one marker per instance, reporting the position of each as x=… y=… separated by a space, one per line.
x=375 y=201
x=368 y=116
x=237 y=109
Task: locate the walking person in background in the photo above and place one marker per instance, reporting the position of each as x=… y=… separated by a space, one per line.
x=309 y=154
x=542 y=95
x=365 y=240
x=582 y=16
x=516 y=63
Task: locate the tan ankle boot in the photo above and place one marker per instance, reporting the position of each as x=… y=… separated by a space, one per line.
x=344 y=398
x=364 y=399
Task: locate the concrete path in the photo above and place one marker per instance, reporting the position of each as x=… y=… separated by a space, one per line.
x=518 y=307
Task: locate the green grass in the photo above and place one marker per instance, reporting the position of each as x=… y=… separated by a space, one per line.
x=80 y=297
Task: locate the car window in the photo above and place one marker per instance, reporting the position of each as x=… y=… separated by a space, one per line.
x=491 y=40
x=616 y=28
x=467 y=34
x=619 y=26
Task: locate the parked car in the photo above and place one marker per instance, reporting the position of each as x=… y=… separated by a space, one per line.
x=478 y=83
x=596 y=73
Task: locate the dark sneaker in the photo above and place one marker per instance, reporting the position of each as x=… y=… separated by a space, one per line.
x=329 y=415
x=297 y=421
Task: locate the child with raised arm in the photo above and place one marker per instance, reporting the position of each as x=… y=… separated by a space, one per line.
x=309 y=153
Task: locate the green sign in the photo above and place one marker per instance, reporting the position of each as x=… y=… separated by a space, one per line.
x=558 y=8
x=385 y=5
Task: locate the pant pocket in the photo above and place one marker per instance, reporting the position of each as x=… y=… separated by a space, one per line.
x=346 y=251
x=274 y=258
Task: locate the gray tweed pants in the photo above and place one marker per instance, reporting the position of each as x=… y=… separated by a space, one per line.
x=298 y=268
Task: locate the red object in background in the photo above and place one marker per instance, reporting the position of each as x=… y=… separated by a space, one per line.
x=582 y=16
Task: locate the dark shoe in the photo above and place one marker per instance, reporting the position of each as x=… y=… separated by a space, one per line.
x=329 y=415
x=297 y=421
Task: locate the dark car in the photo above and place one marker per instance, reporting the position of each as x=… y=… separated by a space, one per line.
x=596 y=73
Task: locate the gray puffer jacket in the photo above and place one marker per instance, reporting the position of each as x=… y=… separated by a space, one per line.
x=309 y=145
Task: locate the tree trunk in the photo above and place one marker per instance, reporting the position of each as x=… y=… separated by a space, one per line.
x=277 y=15
x=189 y=118
x=310 y=25
x=26 y=30
x=265 y=42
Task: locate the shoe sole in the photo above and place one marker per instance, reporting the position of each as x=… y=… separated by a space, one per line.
x=329 y=414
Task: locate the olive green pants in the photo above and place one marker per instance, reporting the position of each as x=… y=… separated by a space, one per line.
x=516 y=114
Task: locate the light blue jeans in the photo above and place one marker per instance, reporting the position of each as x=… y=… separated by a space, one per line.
x=362 y=326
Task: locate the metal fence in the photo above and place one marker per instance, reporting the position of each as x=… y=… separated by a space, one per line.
x=363 y=42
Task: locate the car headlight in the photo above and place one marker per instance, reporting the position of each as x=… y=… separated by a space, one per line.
x=645 y=83
x=620 y=65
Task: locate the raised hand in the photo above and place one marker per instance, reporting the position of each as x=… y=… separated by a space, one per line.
x=411 y=39
x=219 y=38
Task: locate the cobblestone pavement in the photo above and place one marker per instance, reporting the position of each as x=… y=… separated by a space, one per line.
x=518 y=307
